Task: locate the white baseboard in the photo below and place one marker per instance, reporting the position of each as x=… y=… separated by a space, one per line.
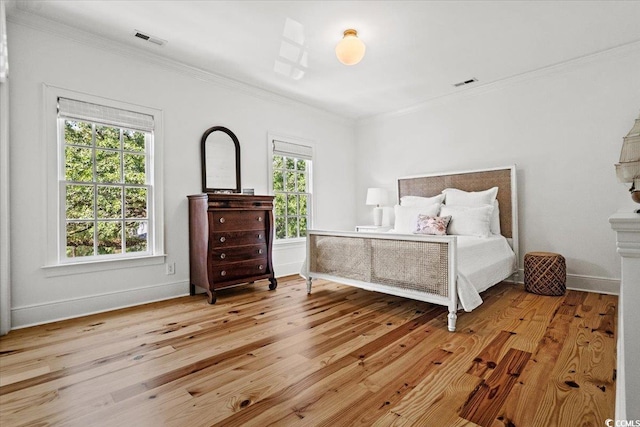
x=53 y=311
x=282 y=270
x=37 y=314
x=600 y=285
x=578 y=282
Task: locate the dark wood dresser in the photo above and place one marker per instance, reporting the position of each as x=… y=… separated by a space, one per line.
x=230 y=241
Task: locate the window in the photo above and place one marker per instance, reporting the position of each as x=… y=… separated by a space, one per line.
x=291 y=180
x=105 y=198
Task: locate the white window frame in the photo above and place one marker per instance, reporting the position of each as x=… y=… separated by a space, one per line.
x=56 y=263
x=311 y=207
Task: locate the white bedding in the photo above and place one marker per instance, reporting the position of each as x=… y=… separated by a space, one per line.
x=482 y=262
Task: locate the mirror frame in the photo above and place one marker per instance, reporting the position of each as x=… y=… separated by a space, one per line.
x=203 y=141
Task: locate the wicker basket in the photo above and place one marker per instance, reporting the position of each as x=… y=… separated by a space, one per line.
x=545 y=273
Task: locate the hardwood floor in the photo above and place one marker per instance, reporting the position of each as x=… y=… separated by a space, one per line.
x=339 y=357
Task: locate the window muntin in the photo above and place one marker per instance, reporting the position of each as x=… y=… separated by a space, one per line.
x=291 y=188
x=105 y=189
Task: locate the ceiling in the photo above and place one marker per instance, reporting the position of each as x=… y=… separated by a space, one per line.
x=416 y=50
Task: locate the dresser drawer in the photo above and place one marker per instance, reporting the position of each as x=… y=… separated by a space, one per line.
x=238 y=220
x=229 y=271
x=244 y=203
x=236 y=238
x=238 y=253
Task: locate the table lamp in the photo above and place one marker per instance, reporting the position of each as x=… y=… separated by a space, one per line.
x=377 y=197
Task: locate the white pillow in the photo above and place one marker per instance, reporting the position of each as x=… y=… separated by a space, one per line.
x=468 y=221
x=456 y=197
x=407 y=216
x=495 y=218
x=421 y=201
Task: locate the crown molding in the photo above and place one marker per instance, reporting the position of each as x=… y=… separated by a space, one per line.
x=558 y=68
x=24 y=16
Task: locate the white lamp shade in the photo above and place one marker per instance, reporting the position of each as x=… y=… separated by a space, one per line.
x=350 y=50
x=376 y=196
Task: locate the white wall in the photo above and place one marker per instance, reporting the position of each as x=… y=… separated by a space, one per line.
x=190 y=106
x=562 y=127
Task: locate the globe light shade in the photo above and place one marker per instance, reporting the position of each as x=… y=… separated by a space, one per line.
x=350 y=50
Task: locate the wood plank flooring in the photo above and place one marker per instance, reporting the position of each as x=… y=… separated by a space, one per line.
x=338 y=357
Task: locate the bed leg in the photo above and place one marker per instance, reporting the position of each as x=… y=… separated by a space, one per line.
x=308 y=285
x=452 y=320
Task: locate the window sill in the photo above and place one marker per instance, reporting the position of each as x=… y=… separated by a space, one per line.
x=55 y=270
x=290 y=242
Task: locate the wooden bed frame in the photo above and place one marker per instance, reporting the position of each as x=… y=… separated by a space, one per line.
x=412 y=266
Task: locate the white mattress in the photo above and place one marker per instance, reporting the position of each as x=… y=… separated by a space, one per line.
x=482 y=262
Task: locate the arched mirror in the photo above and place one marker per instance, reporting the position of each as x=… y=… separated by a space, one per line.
x=220 y=161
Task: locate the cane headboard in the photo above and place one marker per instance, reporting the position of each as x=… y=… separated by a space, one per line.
x=504 y=178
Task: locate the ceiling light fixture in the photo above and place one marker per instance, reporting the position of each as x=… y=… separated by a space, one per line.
x=350 y=50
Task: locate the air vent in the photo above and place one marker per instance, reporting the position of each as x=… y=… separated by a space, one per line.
x=466 y=82
x=149 y=38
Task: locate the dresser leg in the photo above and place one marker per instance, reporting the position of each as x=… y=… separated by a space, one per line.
x=273 y=283
x=308 y=285
x=211 y=297
x=192 y=289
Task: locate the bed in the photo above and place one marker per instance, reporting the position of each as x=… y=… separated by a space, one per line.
x=449 y=270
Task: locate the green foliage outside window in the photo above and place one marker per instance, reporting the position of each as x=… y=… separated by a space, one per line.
x=106 y=195
x=290 y=186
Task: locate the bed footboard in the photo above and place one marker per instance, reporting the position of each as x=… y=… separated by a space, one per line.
x=418 y=267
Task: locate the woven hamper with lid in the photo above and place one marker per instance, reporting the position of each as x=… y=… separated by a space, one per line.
x=545 y=273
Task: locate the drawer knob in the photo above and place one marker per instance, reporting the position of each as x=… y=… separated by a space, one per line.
x=222 y=256
x=260 y=267
x=259 y=236
x=260 y=251
x=223 y=273
x=259 y=219
x=222 y=220
x=222 y=239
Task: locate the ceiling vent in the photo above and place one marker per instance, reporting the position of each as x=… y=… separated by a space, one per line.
x=149 y=38
x=466 y=82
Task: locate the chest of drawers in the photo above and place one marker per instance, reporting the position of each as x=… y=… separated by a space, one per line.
x=230 y=241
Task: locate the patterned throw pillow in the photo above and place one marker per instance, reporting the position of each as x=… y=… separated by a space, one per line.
x=434 y=225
